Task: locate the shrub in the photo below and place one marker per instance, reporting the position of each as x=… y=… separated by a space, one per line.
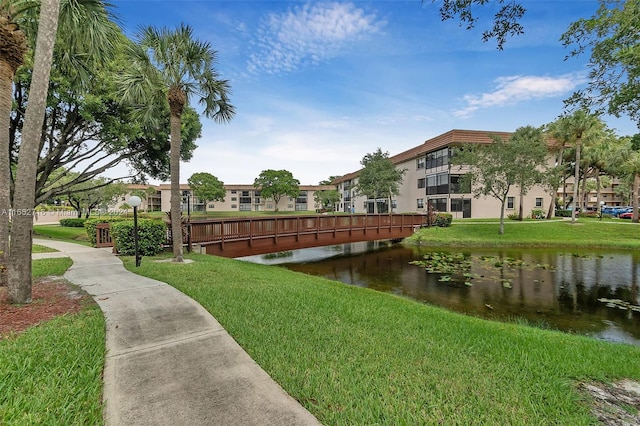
x=443 y=220
x=90 y=226
x=563 y=213
x=538 y=214
x=513 y=216
x=589 y=214
x=151 y=236
x=73 y=222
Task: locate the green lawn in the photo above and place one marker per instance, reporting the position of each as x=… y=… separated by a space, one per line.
x=51 y=374
x=355 y=356
x=61 y=233
x=352 y=355
x=584 y=233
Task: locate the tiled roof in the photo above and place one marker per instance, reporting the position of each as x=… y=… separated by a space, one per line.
x=452 y=137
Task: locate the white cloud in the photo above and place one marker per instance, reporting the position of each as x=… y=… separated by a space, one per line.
x=309 y=34
x=514 y=89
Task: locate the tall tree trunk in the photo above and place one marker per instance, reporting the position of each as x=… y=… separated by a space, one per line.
x=576 y=181
x=598 y=189
x=6 y=78
x=521 y=208
x=634 y=200
x=13 y=45
x=25 y=187
x=177 y=100
x=554 y=194
x=501 y=230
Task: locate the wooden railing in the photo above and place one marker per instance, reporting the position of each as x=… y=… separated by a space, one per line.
x=261 y=234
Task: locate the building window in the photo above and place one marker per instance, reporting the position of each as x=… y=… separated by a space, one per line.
x=245 y=207
x=234 y=206
x=439 y=204
x=234 y=198
x=459 y=185
x=420 y=163
x=539 y=202
x=438 y=158
x=438 y=184
x=233 y=191
x=245 y=194
x=211 y=206
x=270 y=206
x=256 y=200
x=394 y=204
x=422 y=182
x=420 y=203
x=511 y=201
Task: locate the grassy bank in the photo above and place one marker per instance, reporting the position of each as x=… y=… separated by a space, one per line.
x=61 y=233
x=354 y=356
x=584 y=233
x=51 y=374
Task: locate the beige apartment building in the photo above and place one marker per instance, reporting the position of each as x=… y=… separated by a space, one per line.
x=242 y=198
x=430 y=178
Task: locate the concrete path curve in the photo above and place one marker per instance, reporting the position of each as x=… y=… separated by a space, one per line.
x=169 y=362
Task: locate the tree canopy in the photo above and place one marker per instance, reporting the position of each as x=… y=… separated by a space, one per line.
x=493 y=169
x=91 y=132
x=612 y=38
x=379 y=178
x=327 y=199
x=530 y=161
x=275 y=184
x=171 y=67
x=206 y=187
x=506 y=20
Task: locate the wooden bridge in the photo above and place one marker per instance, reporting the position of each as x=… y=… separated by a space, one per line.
x=237 y=237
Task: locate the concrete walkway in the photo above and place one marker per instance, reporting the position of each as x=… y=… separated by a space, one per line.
x=169 y=362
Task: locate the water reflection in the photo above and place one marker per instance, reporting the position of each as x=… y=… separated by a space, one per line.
x=559 y=289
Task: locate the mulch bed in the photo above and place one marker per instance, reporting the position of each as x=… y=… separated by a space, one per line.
x=51 y=297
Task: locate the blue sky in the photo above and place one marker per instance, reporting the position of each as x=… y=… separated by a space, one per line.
x=318 y=85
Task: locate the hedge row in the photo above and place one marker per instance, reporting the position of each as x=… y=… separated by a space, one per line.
x=151 y=237
x=152 y=234
x=91 y=224
x=73 y=222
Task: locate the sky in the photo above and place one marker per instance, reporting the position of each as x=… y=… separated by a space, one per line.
x=318 y=85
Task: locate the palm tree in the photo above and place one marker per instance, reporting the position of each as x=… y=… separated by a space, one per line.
x=595 y=158
x=79 y=18
x=559 y=140
x=624 y=161
x=13 y=47
x=173 y=65
x=580 y=126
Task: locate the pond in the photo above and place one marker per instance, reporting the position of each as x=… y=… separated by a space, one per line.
x=587 y=292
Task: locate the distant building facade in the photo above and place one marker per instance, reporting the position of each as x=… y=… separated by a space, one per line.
x=431 y=179
x=243 y=198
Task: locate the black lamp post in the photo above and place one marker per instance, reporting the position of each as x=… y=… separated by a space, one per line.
x=187 y=194
x=135 y=201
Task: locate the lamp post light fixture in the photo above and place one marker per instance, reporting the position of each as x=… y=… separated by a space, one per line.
x=601 y=207
x=135 y=201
